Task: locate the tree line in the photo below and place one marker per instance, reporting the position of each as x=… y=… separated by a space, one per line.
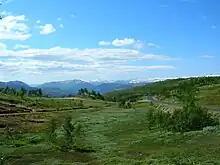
x=22 y=92
x=162 y=89
x=93 y=94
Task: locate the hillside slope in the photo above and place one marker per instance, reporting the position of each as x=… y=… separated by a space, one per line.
x=106 y=130
x=209 y=90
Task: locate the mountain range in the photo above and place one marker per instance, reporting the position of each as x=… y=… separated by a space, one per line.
x=71 y=87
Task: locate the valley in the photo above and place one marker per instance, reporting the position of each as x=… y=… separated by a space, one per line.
x=112 y=82
x=109 y=133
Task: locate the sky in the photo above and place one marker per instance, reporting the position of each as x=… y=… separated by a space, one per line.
x=43 y=41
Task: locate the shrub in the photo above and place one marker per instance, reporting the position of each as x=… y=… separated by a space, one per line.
x=190 y=118
x=80 y=104
x=2 y=159
x=51 y=132
x=69 y=139
x=181 y=120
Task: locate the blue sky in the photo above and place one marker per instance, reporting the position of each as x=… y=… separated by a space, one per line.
x=44 y=41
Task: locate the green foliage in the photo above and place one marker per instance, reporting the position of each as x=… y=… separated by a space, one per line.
x=93 y=94
x=162 y=89
x=51 y=131
x=35 y=92
x=125 y=104
x=2 y=159
x=70 y=134
x=190 y=118
x=22 y=92
x=68 y=128
x=150 y=117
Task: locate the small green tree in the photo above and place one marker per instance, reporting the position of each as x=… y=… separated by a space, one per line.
x=93 y=93
x=121 y=104
x=150 y=118
x=51 y=131
x=86 y=92
x=22 y=92
x=128 y=105
x=69 y=137
x=6 y=90
x=40 y=93
x=70 y=134
x=99 y=96
x=81 y=92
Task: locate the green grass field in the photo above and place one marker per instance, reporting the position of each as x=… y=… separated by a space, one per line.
x=210 y=95
x=117 y=136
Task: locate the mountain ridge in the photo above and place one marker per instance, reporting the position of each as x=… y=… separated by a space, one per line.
x=71 y=87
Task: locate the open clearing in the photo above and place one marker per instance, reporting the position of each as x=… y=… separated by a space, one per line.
x=118 y=136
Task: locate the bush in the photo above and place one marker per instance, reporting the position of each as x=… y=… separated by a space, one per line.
x=51 y=132
x=181 y=120
x=125 y=104
x=190 y=118
x=80 y=104
x=2 y=159
x=71 y=134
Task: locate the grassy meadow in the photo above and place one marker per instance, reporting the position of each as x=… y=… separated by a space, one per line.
x=111 y=135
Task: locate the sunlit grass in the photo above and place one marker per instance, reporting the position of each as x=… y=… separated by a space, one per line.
x=118 y=136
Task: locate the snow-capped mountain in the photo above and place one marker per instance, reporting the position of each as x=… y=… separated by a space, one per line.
x=67 y=87
x=72 y=86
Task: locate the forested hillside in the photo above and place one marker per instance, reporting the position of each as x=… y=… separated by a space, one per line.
x=208 y=89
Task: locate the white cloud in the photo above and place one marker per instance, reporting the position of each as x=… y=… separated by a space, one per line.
x=59 y=19
x=103 y=43
x=2 y=46
x=50 y=70
x=138 y=45
x=78 y=61
x=206 y=56
x=47 y=29
x=38 y=21
x=14 y=28
x=19 y=46
x=97 y=55
x=131 y=42
x=150 y=44
x=123 y=42
x=5 y=13
x=61 y=26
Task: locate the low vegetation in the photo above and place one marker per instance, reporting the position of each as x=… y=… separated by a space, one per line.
x=92 y=94
x=207 y=94
x=82 y=130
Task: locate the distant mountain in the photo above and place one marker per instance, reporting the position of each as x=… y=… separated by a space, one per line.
x=15 y=84
x=107 y=87
x=64 y=88
x=54 y=92
x=2 y=84
x=72 y=86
